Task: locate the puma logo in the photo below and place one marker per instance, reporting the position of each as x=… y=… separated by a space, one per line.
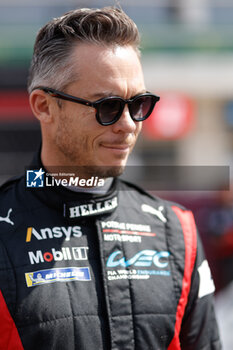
x=158 y=212
x=7 y=218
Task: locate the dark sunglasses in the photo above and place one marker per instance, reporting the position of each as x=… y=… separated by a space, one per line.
x=110 y=109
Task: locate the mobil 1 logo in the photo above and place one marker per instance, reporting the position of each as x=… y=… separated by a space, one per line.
x=64 y=254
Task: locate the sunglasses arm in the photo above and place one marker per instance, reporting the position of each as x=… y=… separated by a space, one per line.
x=66 y=97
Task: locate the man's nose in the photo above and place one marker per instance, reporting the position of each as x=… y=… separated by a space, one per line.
x=125 y=124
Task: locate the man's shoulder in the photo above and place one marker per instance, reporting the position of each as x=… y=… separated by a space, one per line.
x=9 y=185
x=175 y=221
x=9 y=206
x=12 y=192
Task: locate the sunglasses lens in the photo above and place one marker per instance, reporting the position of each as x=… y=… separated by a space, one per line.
x=142 y=107
x=109 y=111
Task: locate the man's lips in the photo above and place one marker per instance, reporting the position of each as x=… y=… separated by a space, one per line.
x=117 y=147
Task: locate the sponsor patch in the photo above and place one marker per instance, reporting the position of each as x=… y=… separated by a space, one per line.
x=157 y=212
x=92 y=208
x=146 y=258
x=7 y=218
x=65 y=254
x=116 y=228
x=143 y=258
x=122 y=238
x=65 y=274
x=206 y=284
x=133 y=274
x=53 y=232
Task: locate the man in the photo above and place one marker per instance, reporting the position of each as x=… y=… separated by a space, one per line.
x=84 y=270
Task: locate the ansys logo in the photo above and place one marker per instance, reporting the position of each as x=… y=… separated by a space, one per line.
x=35 y=178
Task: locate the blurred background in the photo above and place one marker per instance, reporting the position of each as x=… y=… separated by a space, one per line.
x=187 y=57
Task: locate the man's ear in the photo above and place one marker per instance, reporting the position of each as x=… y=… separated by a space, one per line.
x=41 y=106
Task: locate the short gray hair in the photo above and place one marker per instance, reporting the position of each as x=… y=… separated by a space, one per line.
x=51 y=63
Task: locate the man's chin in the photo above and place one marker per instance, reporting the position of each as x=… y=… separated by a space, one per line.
x=105 y=171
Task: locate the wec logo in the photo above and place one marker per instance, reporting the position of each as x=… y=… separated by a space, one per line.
x=144 y=258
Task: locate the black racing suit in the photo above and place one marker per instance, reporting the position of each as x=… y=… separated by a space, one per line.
x=81 y=271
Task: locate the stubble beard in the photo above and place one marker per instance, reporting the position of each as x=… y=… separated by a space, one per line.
x=104 y=171
x=73 y=161
x=86 y=171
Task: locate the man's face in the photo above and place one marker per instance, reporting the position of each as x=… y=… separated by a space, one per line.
x=78 y=137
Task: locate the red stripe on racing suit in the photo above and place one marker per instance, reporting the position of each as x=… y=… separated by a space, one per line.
x=190 y=239
x=9 y=336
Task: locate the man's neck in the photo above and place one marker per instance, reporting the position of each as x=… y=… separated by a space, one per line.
x=79 y=178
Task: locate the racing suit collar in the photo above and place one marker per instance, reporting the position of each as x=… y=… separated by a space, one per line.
x=75 y=205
